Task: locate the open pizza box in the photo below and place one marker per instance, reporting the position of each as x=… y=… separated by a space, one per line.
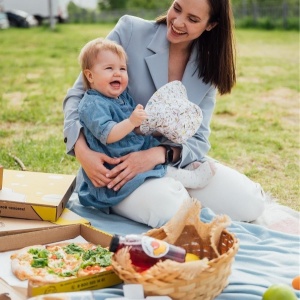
x=34 y=195
x=72 y=233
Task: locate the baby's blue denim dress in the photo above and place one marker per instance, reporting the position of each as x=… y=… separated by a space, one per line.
x=98 y=114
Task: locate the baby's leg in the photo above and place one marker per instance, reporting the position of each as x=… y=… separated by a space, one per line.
x=195 y=175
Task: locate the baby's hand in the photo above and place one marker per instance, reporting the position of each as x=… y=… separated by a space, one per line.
x=138 y=116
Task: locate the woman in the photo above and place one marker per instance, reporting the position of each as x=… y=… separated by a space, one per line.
x=193 y=43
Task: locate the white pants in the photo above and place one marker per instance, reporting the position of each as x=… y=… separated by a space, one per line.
x=229 y=192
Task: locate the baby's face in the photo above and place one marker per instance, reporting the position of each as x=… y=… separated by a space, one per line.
x=109 y=74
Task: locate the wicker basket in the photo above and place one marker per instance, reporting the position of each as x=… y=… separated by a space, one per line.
x=197 y=280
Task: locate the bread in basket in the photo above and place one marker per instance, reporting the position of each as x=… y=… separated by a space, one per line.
x=195 y=280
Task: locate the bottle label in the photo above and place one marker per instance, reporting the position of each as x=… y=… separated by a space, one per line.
x=153 y=247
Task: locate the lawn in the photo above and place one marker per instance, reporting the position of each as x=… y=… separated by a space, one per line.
x=255 y=129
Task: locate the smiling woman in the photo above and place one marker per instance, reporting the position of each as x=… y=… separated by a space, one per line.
x=192 y=43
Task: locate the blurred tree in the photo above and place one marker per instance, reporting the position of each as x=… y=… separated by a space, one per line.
x=112 y=4
x=267 y=2
x=73 y=8
x=122 y=4
x=149 y=4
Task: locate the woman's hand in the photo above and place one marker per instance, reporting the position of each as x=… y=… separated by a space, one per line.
x=133 y=164
x=93 y=163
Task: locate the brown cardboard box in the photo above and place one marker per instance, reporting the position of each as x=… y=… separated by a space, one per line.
x=10 y=226
x=34 y=195
x=57 y=234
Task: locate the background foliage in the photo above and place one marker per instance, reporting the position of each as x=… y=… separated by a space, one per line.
x=150 y=4
x=267 y=14
x=145 y=4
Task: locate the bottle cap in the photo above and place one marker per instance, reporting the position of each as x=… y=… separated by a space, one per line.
x=114 y=243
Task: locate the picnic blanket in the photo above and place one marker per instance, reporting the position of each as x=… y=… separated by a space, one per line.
x=279 y=217
x=265 y=256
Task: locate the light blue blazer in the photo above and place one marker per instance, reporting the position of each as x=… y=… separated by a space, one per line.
x=147 y=48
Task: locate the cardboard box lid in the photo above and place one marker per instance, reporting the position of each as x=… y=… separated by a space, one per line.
x=35 y=195
x=34 y=187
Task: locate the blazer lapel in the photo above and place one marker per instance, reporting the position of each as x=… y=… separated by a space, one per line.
x=191 y=81
x=158 y=62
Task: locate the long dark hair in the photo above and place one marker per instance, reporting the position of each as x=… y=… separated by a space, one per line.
x=216 y=48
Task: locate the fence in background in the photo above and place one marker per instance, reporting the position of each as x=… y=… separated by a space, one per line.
x=257 y=14
x=254 y=14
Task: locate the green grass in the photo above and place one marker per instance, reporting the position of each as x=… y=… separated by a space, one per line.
x=255 y=129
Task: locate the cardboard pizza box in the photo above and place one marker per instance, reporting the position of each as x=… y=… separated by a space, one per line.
x=58 y=234
x=12 y=225
x=35 y=195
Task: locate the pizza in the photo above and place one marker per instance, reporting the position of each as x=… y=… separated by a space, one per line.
x=44 y=264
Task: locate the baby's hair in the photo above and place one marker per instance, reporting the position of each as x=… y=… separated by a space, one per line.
x=89 y=52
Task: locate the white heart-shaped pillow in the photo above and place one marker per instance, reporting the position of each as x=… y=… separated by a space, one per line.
x=172 y=114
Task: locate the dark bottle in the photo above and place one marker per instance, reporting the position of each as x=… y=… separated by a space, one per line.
x=146 y=251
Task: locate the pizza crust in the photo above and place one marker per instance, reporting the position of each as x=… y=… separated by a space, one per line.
x=20 y=263
x=22 y=272
x=48 y=279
